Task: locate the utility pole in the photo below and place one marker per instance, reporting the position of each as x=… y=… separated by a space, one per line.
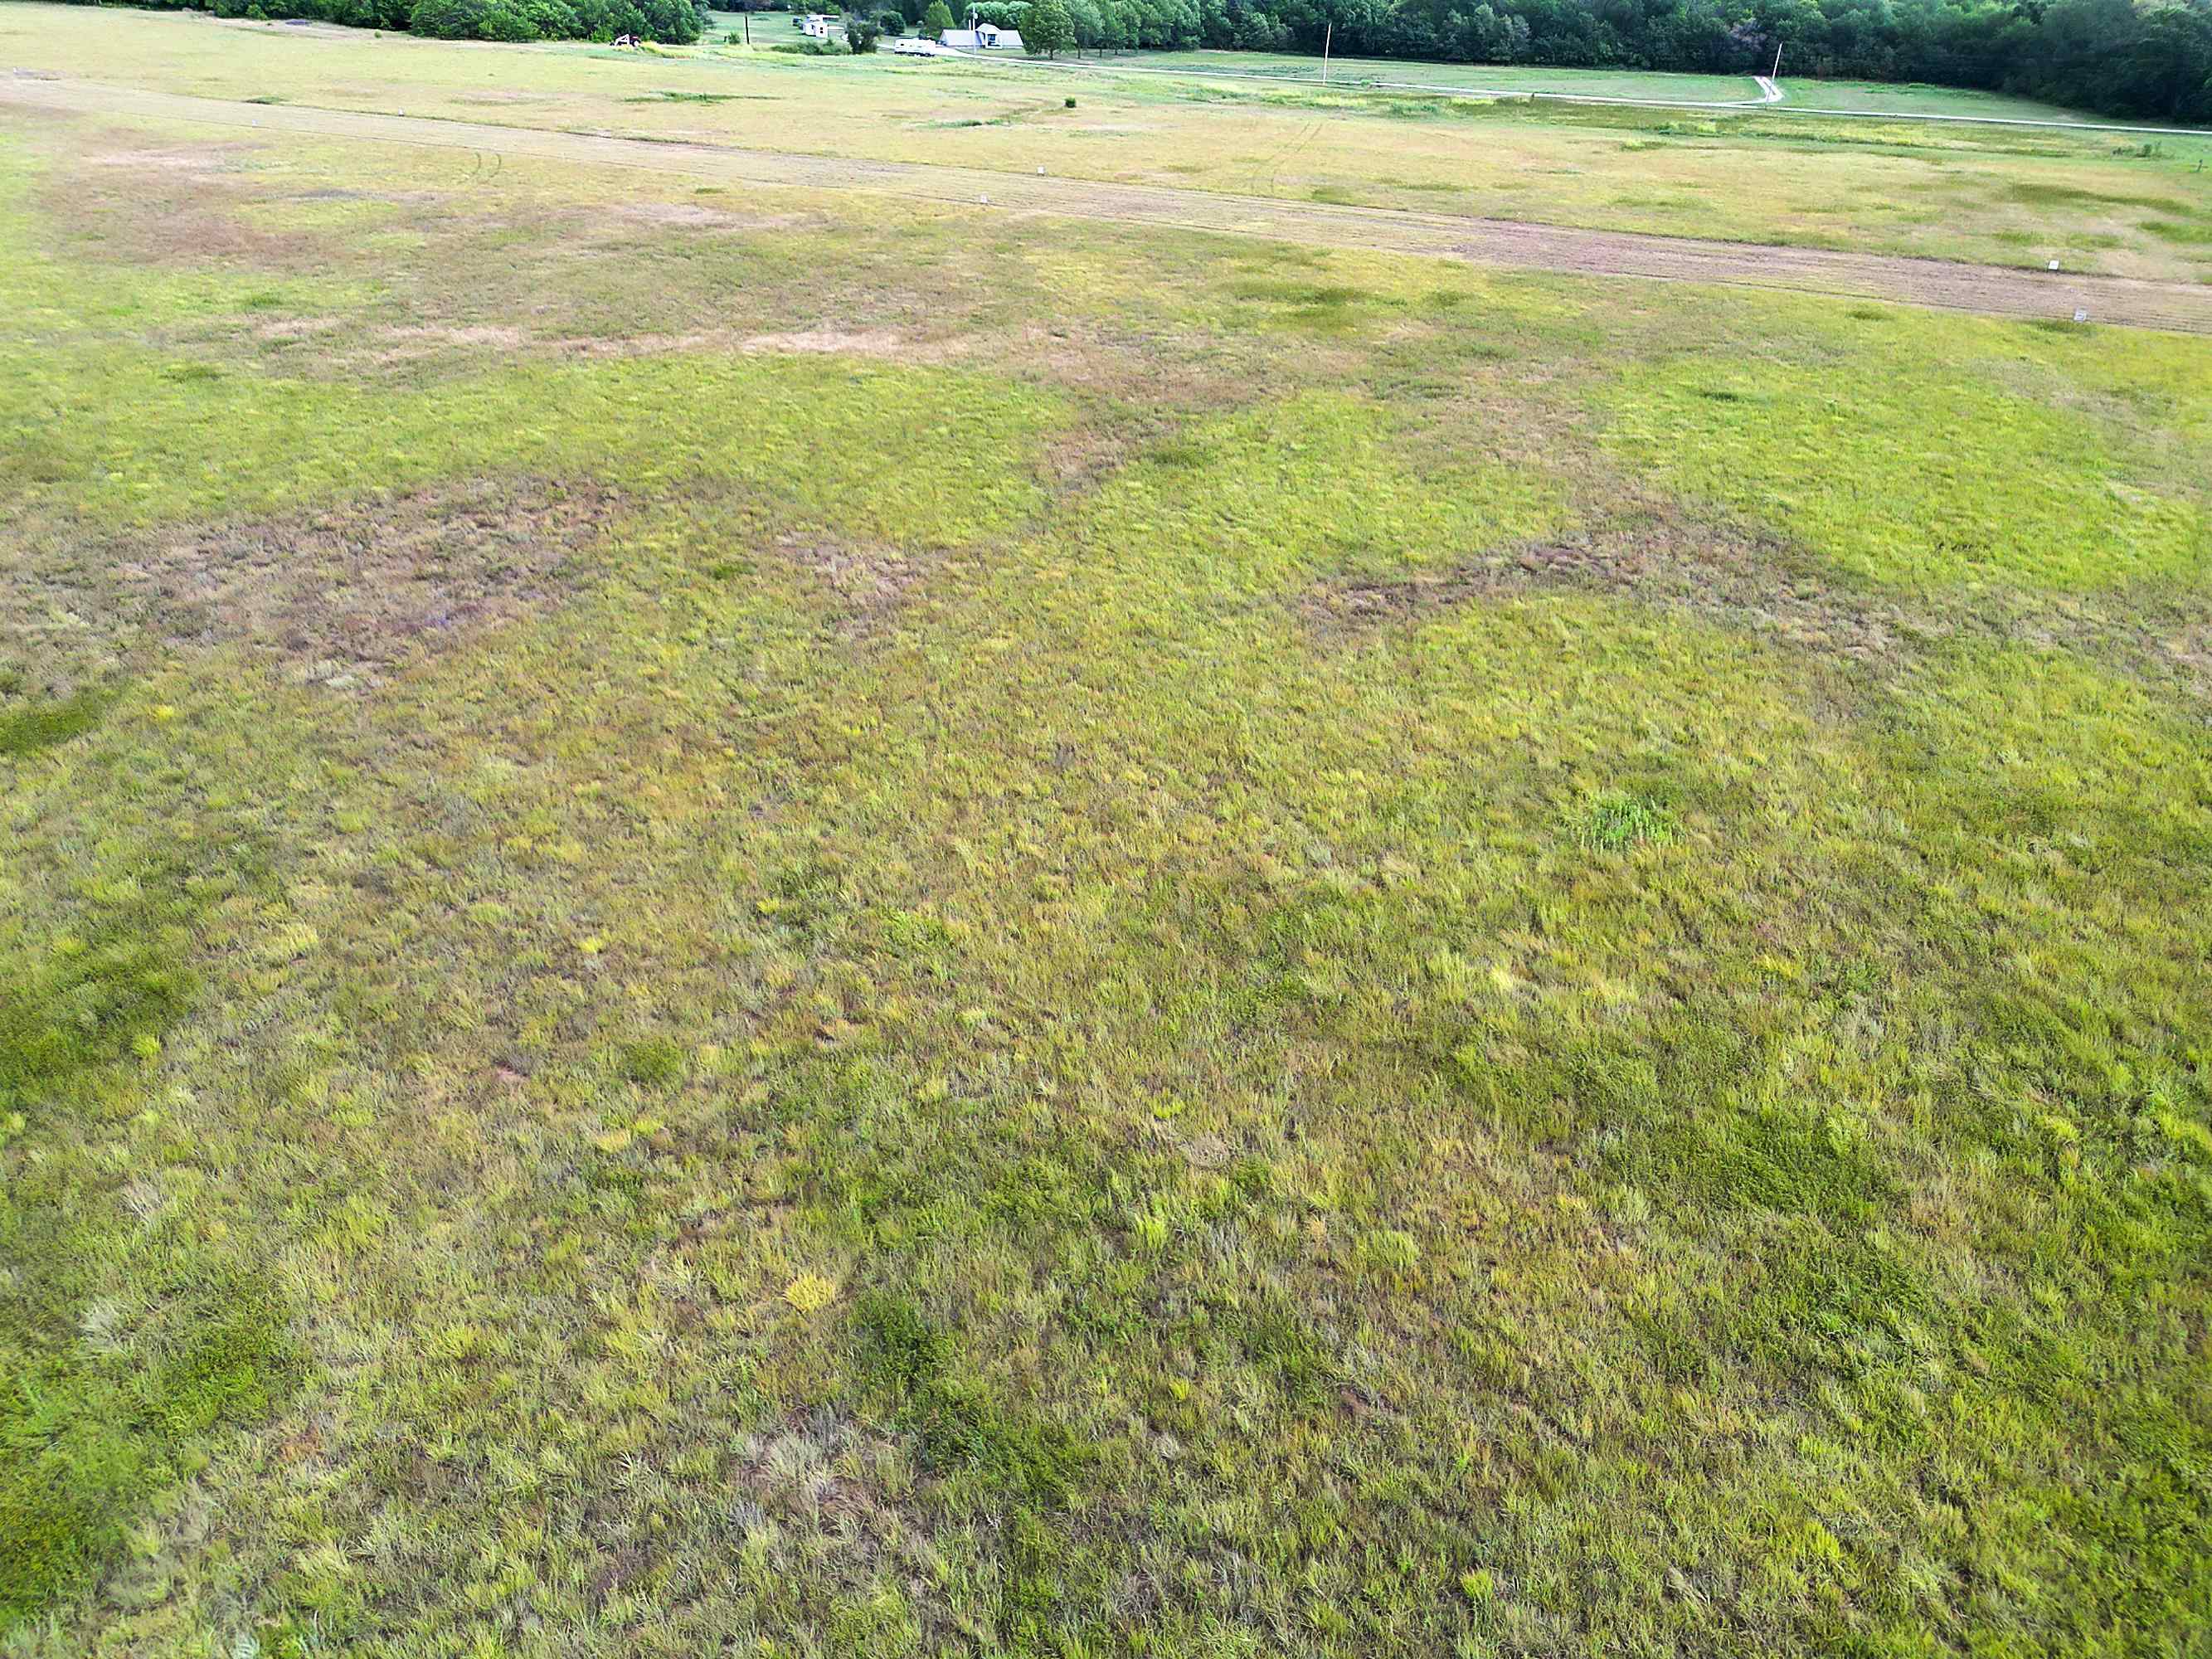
x=1776 y=70
x=1329 y=35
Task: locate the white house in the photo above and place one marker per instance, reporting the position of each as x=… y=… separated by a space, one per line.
x=984 y=37
x=815 y=26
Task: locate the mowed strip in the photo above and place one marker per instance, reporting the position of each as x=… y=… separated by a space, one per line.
x=1993 y=290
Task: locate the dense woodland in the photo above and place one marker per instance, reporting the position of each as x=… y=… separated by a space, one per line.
x=2149 y=61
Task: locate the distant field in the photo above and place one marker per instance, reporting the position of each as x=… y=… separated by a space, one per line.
x=1629 y=84
x=1880 y=96
x=1798 y=94
x=1357 y=71
x=1993 y=195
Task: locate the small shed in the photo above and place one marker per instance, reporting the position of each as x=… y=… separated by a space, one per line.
x=984 y=37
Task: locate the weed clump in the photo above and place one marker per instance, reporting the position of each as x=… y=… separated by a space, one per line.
x=95 y=997
x=45 y=725
x=1617 y=821
x=654 y=1062
x=959 y=1424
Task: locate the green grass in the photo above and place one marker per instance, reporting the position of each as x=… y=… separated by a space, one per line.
x=1927 y=479
x=1247 y=950
x=1351 y=72
x=1915 y=99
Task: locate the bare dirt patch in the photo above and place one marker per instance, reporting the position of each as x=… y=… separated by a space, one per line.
x=1745 y=580
x=211 y=159
x=404 y=343
x=867 y=584
x=130 y=204
x=851 y=342
x=498 y=336
x=2190 y=651
x=674 y=213
x=341 y=595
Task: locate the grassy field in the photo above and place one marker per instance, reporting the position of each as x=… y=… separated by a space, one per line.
x=750 y=924
x=1801 y=93
x=1998 y=196
x=1915 y=99
x=1490 y=77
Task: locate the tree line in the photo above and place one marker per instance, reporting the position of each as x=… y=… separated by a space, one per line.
x=674 y=21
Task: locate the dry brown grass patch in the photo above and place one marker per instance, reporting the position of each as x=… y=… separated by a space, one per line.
x=856 y=341
x=867 y=585
x=340 y=595
x=121 y=202
x=1655 y=555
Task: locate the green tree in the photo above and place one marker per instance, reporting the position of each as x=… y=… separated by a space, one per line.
x=936 y=19
x=1048 y=30
x=448 y=20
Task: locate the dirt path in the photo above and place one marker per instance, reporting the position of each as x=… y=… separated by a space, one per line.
x=1990 y=289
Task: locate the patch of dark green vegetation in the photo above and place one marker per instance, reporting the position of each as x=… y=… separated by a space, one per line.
x=86 y=1435
x=2037 y=193
x=957 y=1423
x=701 y=98
x=2196 y=233
x=805 y=895
x=1618 y=821
x=100 y=1401
x=86 y=1006
x=1327 y=307
x=654 y=1062
x=43 y=725
x=1281 y=1340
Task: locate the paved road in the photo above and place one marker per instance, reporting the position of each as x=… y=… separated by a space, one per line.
x=1990 y=289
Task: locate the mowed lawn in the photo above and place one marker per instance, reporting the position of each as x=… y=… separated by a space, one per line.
x=749 y=923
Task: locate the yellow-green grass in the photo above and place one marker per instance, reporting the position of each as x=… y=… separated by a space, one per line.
x=1937 y=479
x=1516 y=80
x=1998 y=196
x=1914 y=99
x=1192 y=949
